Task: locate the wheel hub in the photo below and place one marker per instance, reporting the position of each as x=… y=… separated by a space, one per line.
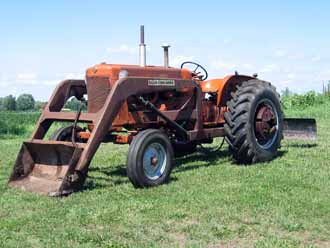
x=266 y=124
x=154 y=161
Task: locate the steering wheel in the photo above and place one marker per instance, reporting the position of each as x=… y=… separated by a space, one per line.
x=202 y=75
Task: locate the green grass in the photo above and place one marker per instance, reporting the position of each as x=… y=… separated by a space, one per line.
x=209 y=201
x=17 y=123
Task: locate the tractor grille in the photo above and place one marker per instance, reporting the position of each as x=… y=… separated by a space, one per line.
x=98 y=89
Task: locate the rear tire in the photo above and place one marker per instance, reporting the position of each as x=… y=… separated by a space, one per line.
x=150 y=159
x=249 y=141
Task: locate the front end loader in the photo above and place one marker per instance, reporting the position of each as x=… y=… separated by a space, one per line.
x=160 y=111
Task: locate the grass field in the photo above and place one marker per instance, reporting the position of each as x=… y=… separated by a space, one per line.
x=210 y=202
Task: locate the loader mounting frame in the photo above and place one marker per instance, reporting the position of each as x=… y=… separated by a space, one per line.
x=61 y=179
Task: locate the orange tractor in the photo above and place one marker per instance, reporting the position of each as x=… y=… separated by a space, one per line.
x=161 y=112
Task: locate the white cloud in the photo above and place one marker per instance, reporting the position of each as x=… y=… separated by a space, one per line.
x=248 y=66
x=32 y=79
x=131 y=50
x=316 y=59
x=49 y=82
x=280 y=53
x=292 y=75
x=226 y=41
x=178 y=60
x=296 y=56
x=270 y=68
x=70 y=75
x=26 y=79
x=223 y=65
x=285 y=83
x=4 y=84
x=4 y=80
x=26 y=76
x=323 y=75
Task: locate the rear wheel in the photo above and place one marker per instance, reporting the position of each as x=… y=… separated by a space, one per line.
x=149 y=161
x=254 y=122
x=64 y=134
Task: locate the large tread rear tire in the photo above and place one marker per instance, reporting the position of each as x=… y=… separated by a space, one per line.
x=240 y=122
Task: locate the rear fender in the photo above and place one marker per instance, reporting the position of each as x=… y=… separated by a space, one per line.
x=227 y=86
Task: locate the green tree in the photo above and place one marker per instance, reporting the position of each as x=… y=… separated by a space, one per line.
x=326 y=88
x=286 y=92
x=39 y=106
x=9 y=103
x=25 y=102
x=73 y=104
x=1 y=103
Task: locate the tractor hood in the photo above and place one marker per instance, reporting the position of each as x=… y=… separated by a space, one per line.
x=101 y=78
x=115 y=71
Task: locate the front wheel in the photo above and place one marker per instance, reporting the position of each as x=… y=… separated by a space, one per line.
x=150 y=159
x=254 y=122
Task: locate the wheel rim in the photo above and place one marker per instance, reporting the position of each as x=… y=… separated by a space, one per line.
x=266 y=124
x=154 y=161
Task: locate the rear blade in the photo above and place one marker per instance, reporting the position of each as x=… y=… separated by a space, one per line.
x=299 y=128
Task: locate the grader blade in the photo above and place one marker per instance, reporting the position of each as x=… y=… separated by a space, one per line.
x=300 y=128
x=43 y=167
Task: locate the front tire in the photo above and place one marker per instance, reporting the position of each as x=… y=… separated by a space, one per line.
x=150 y=159
x=254 y=122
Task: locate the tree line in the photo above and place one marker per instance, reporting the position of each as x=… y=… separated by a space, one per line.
x=26 y=102
x=290 y=99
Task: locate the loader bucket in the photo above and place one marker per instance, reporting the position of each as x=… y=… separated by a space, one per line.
x=43 y=167
x=300 y=128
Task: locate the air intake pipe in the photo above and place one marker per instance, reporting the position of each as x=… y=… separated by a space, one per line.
x=166 y=56
x=143 y=58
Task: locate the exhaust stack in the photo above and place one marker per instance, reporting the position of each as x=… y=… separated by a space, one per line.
x=143 y=58
x=166 y=56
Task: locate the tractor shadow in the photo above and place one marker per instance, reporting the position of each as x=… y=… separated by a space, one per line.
x=295 y=145
x=106 y=176
x=109 y=176
x=200 y=160
x=206 y=160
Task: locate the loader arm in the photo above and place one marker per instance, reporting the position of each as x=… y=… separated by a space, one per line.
x=120 y=92
x=62 y=93
x=58 y=168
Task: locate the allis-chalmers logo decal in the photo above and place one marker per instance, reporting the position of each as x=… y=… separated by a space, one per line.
x=161 y=82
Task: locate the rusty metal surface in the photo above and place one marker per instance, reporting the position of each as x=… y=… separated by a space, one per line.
x=56 y=168
x=42 y=167
x=206 y=133
x=122 y=101
x=300 y=128
x=120 y=92
x=61 y=94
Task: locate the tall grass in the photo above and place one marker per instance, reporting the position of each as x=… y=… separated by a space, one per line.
x=302 y=101
x=17 y=123
x=311 y=105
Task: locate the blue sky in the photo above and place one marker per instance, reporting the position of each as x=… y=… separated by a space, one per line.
x=43 y=42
